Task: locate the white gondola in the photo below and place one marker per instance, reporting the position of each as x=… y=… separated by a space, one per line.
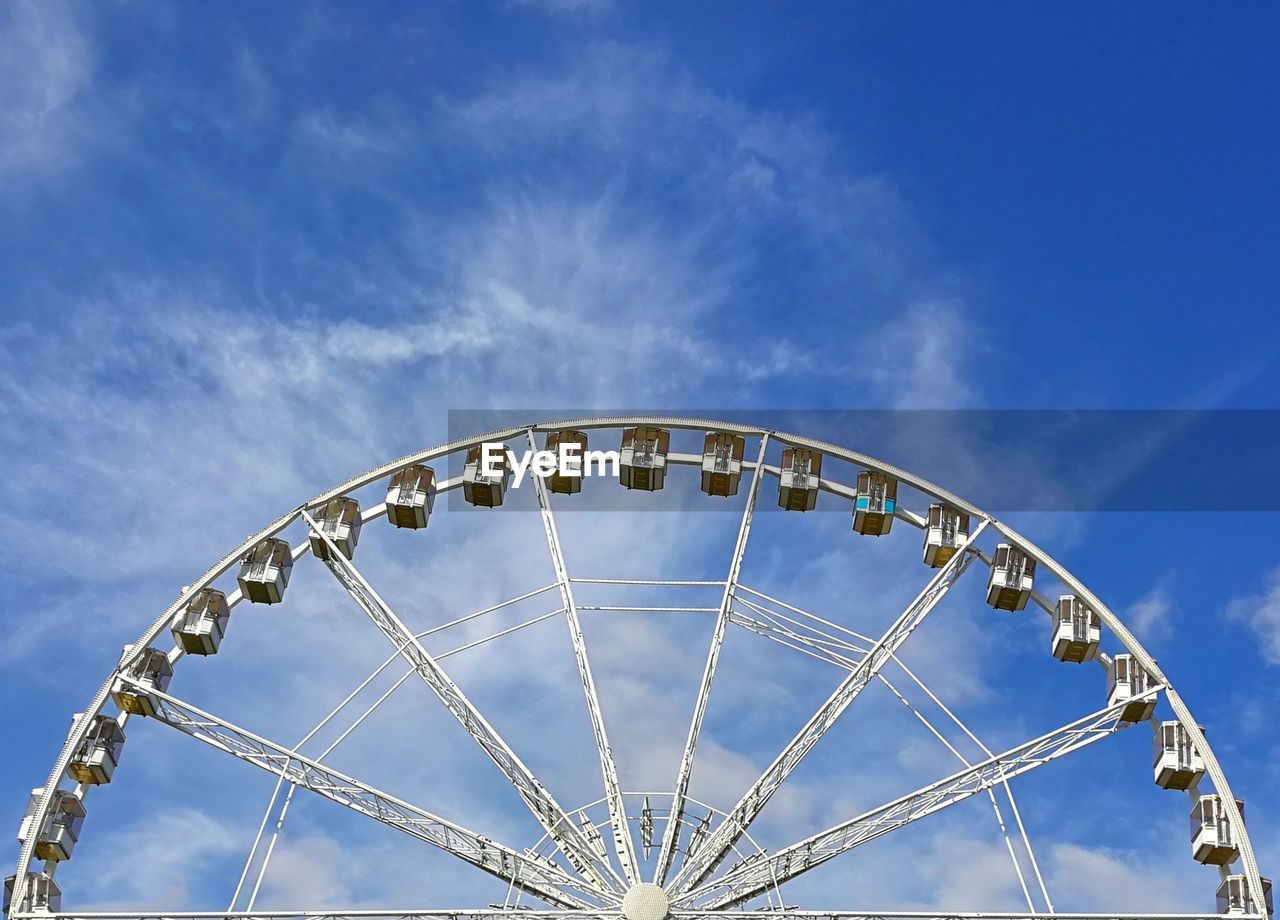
x=43 y=895
x=152 y=669
x=1012 y=576
x=1077 y=630
x=945 y=529
x=339 y=520
x=56 y=838
x=1234 y=896
x=202 y=624
x=799 y=478
x=1127 y=680
x=95 y=760
x=1177 y=763
x=1213 y=840
x=642 y=461
x=411 y=496
x=722 y=463
x=874 y=504
x=483 y=489
x=29 y=816
x=567 y=477
x=265 y=570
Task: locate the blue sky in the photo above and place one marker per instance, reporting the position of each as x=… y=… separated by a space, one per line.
x=248 y=253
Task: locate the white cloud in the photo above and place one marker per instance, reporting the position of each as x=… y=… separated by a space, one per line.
x=1150 y=616
x=163 y=852
x=314 y=869
x=921 y=356
x=560 y=294
x=566 y=7
x=350 y=138
x=965 y=870
x=48 y=64
x=1109 y=879
x=1261 y=613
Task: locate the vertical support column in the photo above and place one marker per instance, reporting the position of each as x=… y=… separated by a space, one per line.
x=623 y=843
x=671 y=836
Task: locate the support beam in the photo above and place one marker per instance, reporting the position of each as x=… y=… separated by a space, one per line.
x=539 y=877
x=763 y=874
x=798 y=636
x=624 y=846
x=821 y=645
x=698 y=867
x=671 y=837
x=554 y=819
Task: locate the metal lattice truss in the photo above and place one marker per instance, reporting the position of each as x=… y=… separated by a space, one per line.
x=671 y=836
x=567 y=835
x=570 y=870
x=608 y=769
x=538 y=877
x=753 y=801
x=756 y=876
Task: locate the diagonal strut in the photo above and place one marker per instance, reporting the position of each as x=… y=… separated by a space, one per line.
x=753 y=878
x=539 y=877
x=624 y=845
x=699 y=866
x=558 y=824
x=671 y=837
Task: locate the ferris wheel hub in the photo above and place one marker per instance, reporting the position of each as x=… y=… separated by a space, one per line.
x=645 y=901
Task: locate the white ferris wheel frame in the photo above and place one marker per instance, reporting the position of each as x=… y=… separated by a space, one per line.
x=693 y=896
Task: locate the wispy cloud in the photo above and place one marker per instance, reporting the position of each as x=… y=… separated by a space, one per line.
x=565 y=7
x=921 y=357
x=1151 y=616
x=152 y=840
x=1260 y=613
x=1124 y=880
x=48 y=64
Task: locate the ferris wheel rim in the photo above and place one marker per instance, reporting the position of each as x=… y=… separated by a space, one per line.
x=1108 y=618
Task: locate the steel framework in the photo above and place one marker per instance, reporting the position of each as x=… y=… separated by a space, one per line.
x=570 y=870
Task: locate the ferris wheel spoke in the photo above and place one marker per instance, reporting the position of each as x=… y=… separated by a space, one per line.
x=554 y=819
x=537 y=876
x=623 y=844
x=699 y=866
x=821 y=648
x=671 y=836
x=1004 y=784
x=757 y=876
x=807 y=638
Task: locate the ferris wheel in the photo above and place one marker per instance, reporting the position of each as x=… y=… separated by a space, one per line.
x=645 y=854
